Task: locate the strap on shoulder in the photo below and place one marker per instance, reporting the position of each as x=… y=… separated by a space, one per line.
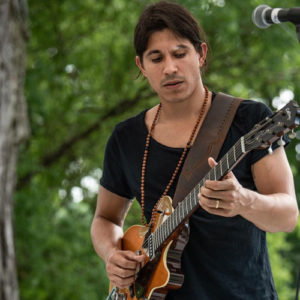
x=208 y=143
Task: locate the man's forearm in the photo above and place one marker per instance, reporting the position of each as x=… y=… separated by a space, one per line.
x=106 y=237
x=271 y=213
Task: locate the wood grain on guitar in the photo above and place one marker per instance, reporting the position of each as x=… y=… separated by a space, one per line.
x=161 y=272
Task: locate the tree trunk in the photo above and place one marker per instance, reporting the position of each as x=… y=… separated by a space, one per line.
x=13 y=129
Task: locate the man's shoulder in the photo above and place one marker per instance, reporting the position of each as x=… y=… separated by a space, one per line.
x=249 y=113
x=253 y=110
x=253 y=105
x=131 y=123
x=129 y=130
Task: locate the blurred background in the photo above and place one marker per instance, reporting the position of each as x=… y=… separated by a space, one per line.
x=80 y=82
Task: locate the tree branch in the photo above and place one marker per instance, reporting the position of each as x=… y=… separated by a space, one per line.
x=62 y=150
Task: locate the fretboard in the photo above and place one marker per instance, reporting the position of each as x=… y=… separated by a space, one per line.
x=190 y=203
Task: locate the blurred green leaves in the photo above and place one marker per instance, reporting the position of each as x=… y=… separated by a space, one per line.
x=81 y=81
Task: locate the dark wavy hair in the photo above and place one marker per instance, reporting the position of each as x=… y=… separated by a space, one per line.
x=173 y=16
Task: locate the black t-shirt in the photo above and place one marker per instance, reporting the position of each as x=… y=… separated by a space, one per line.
x=225 y=258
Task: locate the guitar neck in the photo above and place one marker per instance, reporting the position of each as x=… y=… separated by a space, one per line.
x=190 y=203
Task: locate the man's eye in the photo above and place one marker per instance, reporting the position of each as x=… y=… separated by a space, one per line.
x=180 y=55
x=156 y=59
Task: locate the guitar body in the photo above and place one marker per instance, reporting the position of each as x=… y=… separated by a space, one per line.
x=163 y=273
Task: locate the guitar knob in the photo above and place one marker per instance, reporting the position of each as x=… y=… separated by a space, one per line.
x=281 y=142
x=270 y=150
x=292 y=134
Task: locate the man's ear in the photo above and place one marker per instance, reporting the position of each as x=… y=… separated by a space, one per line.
x=203 y=53
x=140 y=65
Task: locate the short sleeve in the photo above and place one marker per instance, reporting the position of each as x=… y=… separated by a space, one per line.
x=262 y=111
x=113 y=176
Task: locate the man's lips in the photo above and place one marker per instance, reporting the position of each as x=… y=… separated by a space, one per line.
x=172 y=83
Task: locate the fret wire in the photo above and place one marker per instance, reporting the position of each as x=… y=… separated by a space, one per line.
x=165 y=230
x=217 y=167
x=240 y=149
x=176 y=217
x=170 y=226
x=186 y=206
x=192 y=199
x=159 y=234
x=173 y=221
x=197 y=189
x=199 y=186
x=242 y=144
x=156 y=237
x=195 y=195
x=227 y=161
x=178 y=214
x=234 y=153
x=237 y=150
x=181 y=211
x=154 y=241
x=195 y=199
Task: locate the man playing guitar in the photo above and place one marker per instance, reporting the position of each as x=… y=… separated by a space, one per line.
x=226 y=256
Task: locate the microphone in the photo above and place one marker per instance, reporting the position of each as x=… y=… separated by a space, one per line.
x=264 y=16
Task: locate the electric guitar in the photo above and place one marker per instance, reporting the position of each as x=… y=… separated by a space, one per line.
x=163 y=241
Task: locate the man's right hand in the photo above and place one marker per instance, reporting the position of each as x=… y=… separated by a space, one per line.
x=121 y=267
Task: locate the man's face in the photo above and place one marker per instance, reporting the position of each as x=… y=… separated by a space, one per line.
x=172 y=66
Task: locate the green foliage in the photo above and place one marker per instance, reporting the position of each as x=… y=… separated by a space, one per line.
x=80 y=82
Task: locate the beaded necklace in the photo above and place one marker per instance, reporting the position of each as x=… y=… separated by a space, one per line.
x=188 y=145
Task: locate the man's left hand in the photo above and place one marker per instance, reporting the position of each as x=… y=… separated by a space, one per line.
x=226 y=197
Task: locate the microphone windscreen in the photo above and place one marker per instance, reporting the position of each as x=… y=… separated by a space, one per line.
x=258 y=16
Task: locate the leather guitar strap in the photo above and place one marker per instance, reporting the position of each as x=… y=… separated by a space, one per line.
x=208 y=143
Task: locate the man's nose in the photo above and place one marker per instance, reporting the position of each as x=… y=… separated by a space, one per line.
x=170 y=66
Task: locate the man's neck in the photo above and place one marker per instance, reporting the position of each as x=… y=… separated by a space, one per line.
x=184 y=110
